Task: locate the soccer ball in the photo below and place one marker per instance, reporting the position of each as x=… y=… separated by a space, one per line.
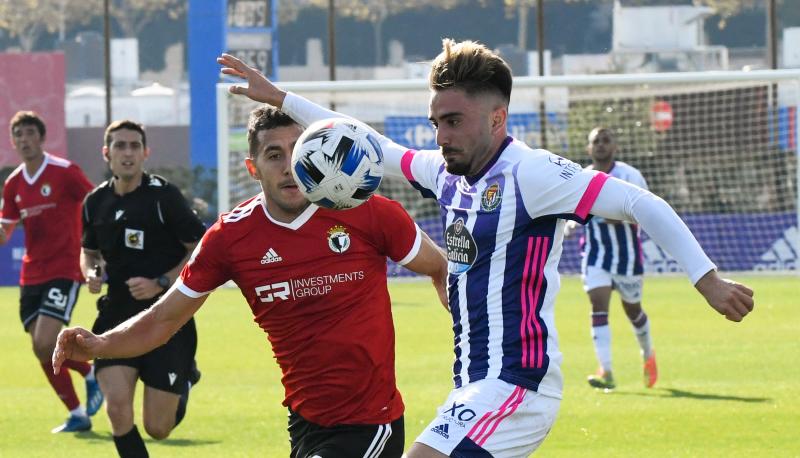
x=337 y=163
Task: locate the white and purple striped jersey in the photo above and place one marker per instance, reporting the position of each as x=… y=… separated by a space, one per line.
x=615 y=248
x=503 y=234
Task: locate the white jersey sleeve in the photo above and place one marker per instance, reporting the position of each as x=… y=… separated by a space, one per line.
x=551 y=185
x=623 y=201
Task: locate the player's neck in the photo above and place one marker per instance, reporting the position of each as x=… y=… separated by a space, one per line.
x=32 y=165
x=123 y=186
x=603 y=166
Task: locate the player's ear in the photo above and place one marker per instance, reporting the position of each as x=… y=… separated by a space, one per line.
x=499 y=116
x=146 y=152
x=251 y=167
x=105 y=153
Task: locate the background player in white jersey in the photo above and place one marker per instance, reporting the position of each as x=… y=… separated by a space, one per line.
x=504 y=207
x=315 y=280
x=612 y=259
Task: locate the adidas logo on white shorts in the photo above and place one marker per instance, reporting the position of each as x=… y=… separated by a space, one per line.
x=442 y=430
x=271 y=256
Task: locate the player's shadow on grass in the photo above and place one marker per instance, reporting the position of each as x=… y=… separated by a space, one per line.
x=675 y=393
x=107 y=437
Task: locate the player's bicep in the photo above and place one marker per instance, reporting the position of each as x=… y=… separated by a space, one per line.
x=616 y=198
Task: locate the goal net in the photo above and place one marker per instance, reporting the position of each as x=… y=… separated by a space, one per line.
x=720 y=147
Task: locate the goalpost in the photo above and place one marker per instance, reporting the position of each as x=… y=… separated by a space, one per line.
x=720 y=147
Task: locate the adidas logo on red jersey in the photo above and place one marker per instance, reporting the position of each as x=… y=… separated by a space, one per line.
x=271 y=256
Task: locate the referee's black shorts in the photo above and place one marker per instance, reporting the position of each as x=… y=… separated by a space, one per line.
x=310 y=440
x=166 y=368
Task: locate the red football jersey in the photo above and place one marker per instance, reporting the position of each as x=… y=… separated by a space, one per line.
x=317 y=287
x=49 y=205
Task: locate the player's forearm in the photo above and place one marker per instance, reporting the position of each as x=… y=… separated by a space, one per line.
x=305 y=111
x=136 y=336
x=623 y=201
x=90 y=261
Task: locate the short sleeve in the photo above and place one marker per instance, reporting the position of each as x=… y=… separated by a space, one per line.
x=79 y=184
x=206 y=269
x=554 y=186
x=178 y=216
x=88 y=234
x=9 y=212
x=400 y=237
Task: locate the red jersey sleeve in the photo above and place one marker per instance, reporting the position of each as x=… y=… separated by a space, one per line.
x=9 y=212
x=80 y=185
x=399 y=233
x=207 y=270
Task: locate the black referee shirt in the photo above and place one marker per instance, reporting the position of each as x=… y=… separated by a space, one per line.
x=139 y=234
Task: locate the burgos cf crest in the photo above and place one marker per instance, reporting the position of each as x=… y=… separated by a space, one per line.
x=491 y=198
x=338 y=239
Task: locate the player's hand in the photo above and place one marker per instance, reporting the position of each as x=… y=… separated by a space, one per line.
x=440 y=284
x=258 y=88
x=142 y=288
x=570 y=228
x=727 y=297
x=77 y=344
x=94 y=280
x=3 y=235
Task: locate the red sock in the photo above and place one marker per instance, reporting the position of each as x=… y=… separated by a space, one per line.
x=62 y=384
x=81 y=366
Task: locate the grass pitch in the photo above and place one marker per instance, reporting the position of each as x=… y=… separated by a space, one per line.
x=725 y=389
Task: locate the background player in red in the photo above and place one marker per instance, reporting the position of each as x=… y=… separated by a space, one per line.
x=315 y=280
x=45 y=193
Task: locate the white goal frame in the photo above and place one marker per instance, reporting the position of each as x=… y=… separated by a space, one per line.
x=543 y=83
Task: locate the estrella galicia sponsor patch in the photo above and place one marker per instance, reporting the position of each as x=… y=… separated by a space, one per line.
x=338 y=239
x=492 y=198
x=134 y=238
x=461 y=248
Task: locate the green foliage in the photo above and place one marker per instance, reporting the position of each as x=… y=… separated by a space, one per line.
x=725 y=390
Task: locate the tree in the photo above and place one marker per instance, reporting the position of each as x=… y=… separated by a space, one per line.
x=133 y=15
x=377 y=11
x=29 y=19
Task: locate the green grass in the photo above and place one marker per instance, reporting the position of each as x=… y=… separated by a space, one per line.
x=725 y=389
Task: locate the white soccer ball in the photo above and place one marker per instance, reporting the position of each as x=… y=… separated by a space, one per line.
x=337 y=163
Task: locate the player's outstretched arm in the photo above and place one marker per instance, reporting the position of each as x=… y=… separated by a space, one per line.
x=138 y=335
x=623 y=201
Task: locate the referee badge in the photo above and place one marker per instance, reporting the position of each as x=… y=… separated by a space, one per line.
x=338 y=239
x=134 y=239
x=491 y=198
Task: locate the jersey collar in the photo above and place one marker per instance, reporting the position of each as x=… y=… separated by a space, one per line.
x=32 y=179
x=294 y=225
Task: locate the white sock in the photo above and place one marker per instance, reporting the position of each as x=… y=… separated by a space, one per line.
x=90 y=376
x=643 y=335
x=79 y=411
x=601 y=336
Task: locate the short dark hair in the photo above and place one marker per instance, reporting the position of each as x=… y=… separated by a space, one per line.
x=265 y=118
x=30 y=118
x=602 y=129
x=471 y=67
x=124 y=124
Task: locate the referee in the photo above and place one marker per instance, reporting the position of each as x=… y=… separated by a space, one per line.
x=138 y=232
